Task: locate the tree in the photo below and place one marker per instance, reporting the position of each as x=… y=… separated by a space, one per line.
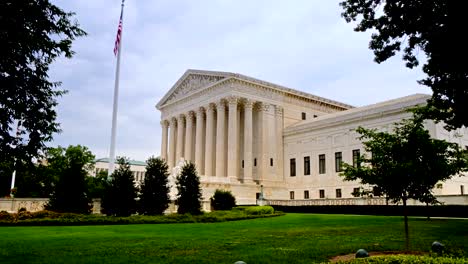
x=406 y=164
x=97 y=184
x=33 y=34
x=154 y=191
x=424 y=27
x=120 y=194
x=34 y=180
x=189 y=193
x=223 y=200
x=72 y=165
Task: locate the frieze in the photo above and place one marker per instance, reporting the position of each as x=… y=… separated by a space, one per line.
x=191 y=84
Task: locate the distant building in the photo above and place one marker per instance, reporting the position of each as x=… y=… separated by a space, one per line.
x=138 y=168
x=258 y=138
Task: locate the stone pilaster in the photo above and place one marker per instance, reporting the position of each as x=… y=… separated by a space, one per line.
x=248 y=140
x=180 y=138
x=189 y=136
x=199 y=143
x=209 y=141
x=279 y=142
x=164 y=128
x=232 y=138
x=264 y=161
x=172 y=143
x=220 y=139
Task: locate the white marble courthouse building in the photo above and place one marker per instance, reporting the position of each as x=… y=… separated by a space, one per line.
x=251 y=136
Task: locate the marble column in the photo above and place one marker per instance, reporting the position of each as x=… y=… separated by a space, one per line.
x=164 y=127
x=220 y=137
x=209 y=140
x=232 y=138
x=188 y=136
x=172 y=143
x=199 y=144
x=180 y=139
x=248 y=140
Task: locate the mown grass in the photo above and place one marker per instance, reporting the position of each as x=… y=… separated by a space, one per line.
x=293 y=238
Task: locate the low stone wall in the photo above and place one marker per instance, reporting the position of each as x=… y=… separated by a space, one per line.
x=444 y=199
x=12 y=205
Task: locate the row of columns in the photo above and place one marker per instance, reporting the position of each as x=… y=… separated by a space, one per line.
x=211 y=155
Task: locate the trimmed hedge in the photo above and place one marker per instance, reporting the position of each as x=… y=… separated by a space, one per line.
x=48 y=218
x=259 y=210
x=407 y=259
x=392 y=210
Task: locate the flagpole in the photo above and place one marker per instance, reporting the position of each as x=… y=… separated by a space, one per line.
x=116 y=102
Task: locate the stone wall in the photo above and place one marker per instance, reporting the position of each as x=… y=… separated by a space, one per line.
x=444 y=199
x=37 y=204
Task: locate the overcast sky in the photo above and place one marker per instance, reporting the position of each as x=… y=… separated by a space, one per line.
x=304 y=45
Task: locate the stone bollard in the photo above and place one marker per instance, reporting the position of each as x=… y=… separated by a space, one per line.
x=361 y=253
x=437 y=247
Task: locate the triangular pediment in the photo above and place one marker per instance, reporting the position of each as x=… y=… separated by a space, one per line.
x=191 y=82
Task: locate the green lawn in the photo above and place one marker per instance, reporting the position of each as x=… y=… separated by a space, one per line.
x=293 y=238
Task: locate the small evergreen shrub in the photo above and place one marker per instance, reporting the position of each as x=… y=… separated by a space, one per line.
x=407 y=259
x=222 y=200
x=5 y=216
x=259 y=210
x=189 y=195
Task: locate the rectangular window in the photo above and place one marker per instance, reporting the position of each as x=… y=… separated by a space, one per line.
x=462 y=190
x=338 y=161
x=242 y=163
x=322 y=193
x=303 y=116
x=292 y=167
x=356 y=154
x=307 y=165
x=322 y=164
x=338 y=193
x=291 y=195
x=271 y=162
x=439 y=186
x=306 y=194
x=356 y=192
x=255 y=162
x=315 y=116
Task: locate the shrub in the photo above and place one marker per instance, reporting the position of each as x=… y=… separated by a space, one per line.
x=45 y=214
x=407 y=259
x=189 y=191
x=154 y=194
x=223 y=200
x=259 y=210
x=5 y=216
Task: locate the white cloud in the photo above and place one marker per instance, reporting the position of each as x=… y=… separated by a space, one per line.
x=304 y=45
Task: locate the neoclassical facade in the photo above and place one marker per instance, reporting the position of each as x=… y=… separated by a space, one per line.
x=251 y=136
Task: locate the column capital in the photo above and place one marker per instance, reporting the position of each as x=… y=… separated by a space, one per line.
x=190 y=115
x=173 y=121
x=164 y=123
x=181 y=119
x=201 y=110
x=211 y=107
x=262 y=107
x=232 y=100
x=221 y=104
x=249 y=103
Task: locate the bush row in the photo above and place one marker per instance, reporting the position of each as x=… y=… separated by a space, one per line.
x=407 y=259
x=48 y=218
x=433 y=211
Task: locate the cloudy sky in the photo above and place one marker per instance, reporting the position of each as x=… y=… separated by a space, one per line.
x=300 y=44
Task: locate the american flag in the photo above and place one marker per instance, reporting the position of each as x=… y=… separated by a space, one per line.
x=119 y=33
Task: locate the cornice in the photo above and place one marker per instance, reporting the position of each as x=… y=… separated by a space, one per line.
x=379 y=110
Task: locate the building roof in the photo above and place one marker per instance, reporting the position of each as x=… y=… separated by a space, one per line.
x=350 y=115
x=231 y=75
x=131 y=162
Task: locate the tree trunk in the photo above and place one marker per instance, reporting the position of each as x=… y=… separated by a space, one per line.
x=405 y=213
